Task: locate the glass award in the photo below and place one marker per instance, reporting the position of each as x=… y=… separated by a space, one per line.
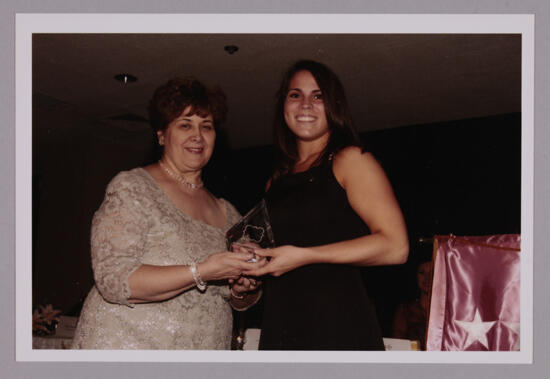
x=253 y=227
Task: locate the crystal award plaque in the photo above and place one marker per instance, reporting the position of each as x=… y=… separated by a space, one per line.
x=253 y=227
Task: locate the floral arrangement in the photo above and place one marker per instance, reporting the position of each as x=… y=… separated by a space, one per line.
x=45 y=319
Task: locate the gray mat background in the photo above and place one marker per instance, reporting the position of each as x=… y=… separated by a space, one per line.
x=9 y=368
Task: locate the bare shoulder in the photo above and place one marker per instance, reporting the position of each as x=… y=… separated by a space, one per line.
x=348 y=152
x=352 y=162
x=352 y=155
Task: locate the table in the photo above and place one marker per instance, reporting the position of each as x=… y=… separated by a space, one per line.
x=63 y=337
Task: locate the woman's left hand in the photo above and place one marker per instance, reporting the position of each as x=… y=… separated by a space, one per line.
x=244 y=284
x=282 y=259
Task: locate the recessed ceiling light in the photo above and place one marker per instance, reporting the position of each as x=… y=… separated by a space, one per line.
x=126 y=78
x=231 y=49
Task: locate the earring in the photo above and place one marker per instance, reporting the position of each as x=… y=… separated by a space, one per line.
x=161 y=141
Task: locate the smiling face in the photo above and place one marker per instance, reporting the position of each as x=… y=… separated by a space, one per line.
x=304 y=108
x=188 y=141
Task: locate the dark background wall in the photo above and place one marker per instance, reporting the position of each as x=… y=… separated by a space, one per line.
x=461 y=177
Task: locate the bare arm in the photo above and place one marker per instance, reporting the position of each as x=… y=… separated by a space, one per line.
x=155 y=283
x=370 y=195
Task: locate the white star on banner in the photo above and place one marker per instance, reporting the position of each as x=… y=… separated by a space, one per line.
x=476 y=329
x=515 y=328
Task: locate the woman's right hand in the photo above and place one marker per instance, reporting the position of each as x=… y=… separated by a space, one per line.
x=226 y=265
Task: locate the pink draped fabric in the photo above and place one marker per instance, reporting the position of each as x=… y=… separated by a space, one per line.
x=475 y=302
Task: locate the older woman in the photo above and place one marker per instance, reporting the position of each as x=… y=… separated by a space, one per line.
x=158 y=246
x=332 y=209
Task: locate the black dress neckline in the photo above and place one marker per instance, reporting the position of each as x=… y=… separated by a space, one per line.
x=318 y=166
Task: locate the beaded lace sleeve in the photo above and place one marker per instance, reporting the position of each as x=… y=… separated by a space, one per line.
x=117 y=238
x=233 y=215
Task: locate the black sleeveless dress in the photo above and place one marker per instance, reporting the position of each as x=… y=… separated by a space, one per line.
x=320 y=306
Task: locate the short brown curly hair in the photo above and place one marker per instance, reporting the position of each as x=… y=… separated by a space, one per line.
x=171 y=99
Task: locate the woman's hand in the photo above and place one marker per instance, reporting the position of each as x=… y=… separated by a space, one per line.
x=226 y=265
x=244 y=284
x=247 y=247
x=245 y=292
x=282 y=259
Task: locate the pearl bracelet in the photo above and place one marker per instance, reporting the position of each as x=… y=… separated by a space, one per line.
x=197 y=277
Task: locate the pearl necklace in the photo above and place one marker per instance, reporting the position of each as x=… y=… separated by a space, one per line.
x=180 y=178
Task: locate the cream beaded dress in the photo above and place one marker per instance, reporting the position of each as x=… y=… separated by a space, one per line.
x=138 y=224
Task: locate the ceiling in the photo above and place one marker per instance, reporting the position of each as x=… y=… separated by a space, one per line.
x=391 y=80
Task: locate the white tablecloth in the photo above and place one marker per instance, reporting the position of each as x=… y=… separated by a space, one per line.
x=252 y=339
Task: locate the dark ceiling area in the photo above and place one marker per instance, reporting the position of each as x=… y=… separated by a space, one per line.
x=391 y=79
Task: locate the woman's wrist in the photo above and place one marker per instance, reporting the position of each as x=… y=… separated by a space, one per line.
x=307 y=256
x=199 y=282
x=204 y=270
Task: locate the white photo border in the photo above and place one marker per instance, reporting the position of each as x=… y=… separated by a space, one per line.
x=27 y=24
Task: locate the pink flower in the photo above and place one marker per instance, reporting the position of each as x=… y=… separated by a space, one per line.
x=49 y=314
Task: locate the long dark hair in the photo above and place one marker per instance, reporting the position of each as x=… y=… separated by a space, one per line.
x=342 y=131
